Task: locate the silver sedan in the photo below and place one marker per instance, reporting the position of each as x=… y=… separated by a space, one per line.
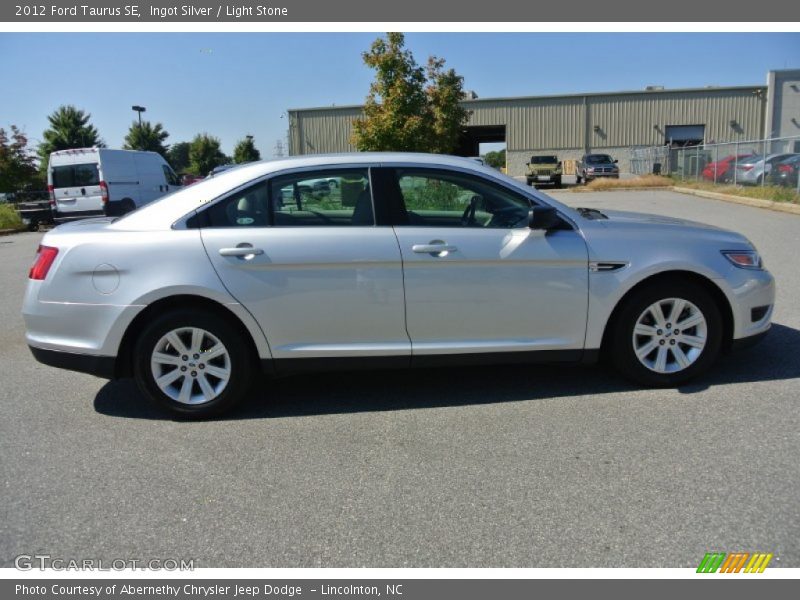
x=406 y=260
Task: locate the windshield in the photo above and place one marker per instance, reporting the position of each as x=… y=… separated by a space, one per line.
x=75 y=175
x=543 y=160
x=596 y=159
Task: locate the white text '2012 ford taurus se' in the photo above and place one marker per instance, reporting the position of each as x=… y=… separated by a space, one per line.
x=397 y=260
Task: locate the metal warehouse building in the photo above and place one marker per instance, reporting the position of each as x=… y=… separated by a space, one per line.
x=570 y=125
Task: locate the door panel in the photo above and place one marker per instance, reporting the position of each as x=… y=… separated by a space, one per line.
x=477 y=278
x=317 y=291
x=77 y=187
x=319 y=280
x=494 y=290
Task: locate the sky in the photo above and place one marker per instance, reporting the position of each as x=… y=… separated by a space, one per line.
x=235 y=84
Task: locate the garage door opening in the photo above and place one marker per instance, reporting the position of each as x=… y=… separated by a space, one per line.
x=473 y=137
x=683 y=136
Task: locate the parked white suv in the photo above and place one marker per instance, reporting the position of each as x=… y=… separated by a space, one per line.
x=87 y=182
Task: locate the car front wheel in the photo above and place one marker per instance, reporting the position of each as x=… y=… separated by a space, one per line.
x=193 y=363
x=666 y=334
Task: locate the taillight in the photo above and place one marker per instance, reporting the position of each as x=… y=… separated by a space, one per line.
x=785 y=168
x=52 y=191
x=104 y=191
x=45 y=255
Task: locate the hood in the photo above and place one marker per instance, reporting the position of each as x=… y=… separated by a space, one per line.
x=624 y=216
x=642 y=225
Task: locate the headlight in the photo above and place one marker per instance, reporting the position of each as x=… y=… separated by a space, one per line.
x=744 y=259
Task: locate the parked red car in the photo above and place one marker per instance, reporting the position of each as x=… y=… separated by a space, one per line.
x=722 y=170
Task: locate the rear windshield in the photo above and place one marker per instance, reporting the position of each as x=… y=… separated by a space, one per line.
x=75 y=175
x=543 y=160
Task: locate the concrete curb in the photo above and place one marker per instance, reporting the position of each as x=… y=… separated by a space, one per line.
x=755 y=202
x=584 y=190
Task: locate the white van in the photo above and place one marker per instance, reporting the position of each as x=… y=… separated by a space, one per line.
x=88 y=182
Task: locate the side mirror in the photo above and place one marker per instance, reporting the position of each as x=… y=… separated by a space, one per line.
x=543 y=218
x=616 y=161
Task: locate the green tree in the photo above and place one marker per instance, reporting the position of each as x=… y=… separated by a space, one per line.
x=205 y=154
x=446 y=115
x=246 y=151
x=178 y=156
x=496 y=159
x=146 y=136
x=69 y=128
x=409 y=107
x=17 y=163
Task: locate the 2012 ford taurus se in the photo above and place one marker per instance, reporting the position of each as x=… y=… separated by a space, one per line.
x=402 y=260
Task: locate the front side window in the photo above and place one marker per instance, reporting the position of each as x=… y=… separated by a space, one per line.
x=170 y=176
x=339 y=197
x=451 y=199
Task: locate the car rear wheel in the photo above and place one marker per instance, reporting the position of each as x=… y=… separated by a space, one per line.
x=193 y=363
x=666 y=334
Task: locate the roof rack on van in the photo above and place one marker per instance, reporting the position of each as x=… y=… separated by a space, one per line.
x=76 y=151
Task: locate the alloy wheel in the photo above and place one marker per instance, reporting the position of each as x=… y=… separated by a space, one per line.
x=190 y=365
x=670 y=335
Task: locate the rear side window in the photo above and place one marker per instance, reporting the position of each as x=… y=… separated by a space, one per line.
x=75 y=175
x=338 y=197
x=245 y=208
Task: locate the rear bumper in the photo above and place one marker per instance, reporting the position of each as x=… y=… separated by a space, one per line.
x=99 y=366
x=64 y=217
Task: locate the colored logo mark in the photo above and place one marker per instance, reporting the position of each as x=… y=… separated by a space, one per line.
x=734 y=562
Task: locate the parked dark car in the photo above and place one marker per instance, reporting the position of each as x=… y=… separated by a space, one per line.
x=592 y=166
x=785 y=172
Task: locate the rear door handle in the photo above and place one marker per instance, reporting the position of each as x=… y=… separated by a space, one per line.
x=434 y=248
x=241 y=251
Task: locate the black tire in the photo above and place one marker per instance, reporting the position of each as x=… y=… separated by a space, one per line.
x=557 y=182
x=127 y=206
x=577 y=179
x=622 y=342
x=242 y=363
x=529 y=181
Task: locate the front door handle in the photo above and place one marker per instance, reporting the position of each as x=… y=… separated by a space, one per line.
x=241 y=251
x=435 y=248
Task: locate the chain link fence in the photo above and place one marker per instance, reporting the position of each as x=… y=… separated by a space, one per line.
x=772 y=161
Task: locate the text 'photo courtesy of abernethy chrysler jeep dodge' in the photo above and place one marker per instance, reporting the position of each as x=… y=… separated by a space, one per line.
x=398 y=260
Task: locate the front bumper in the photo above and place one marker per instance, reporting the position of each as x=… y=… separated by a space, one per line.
x=590 y=176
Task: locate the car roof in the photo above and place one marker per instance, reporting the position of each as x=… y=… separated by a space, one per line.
x=172 y=207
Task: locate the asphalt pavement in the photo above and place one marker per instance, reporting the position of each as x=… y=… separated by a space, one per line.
x=480 y=467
